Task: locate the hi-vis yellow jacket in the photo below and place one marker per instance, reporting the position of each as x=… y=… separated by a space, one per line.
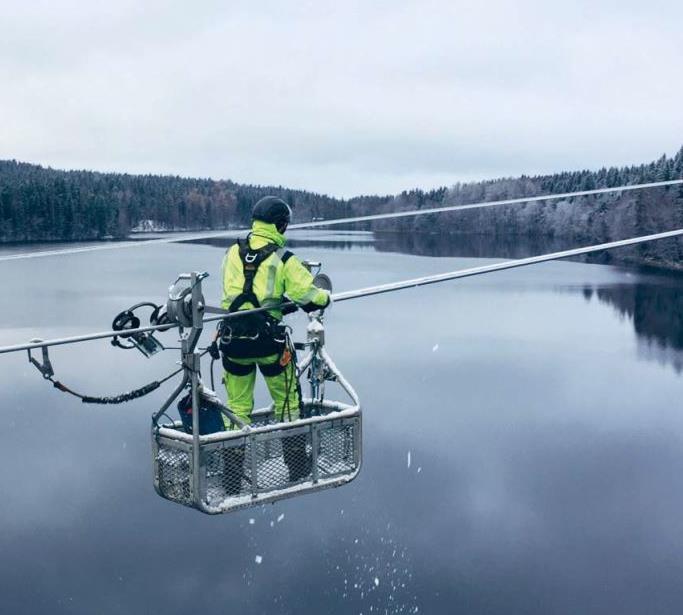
x=281 y=274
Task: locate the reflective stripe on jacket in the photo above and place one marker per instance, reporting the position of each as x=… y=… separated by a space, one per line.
x=274 y=278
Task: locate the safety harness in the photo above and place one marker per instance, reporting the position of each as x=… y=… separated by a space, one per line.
x=253 y=335
x=251 y=259
x=256 y=335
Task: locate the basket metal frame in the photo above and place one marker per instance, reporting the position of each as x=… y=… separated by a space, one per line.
x=327 y=415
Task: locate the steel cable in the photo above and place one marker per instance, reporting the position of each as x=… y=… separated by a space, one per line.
x=337 y=221
x=372 y=290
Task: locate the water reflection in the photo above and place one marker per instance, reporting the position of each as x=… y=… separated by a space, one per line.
x=335 y=240
x=545 y=472
x=471 y=246
x=420 y=244
x=654 y=304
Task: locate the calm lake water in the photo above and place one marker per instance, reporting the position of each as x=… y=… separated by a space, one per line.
x=539 y=408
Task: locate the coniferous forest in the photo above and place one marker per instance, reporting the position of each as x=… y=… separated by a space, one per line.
x=44 y=204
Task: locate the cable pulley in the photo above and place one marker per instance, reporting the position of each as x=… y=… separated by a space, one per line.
x=145 y=342
x=179 y=304
x=159 y=316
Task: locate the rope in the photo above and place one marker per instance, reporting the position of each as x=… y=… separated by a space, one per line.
x=336 y=221
x=114 y=399
x=213 y=384
x=121 y=397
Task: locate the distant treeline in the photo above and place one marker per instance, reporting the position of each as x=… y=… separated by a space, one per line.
x=573 y=222
x=43 y=204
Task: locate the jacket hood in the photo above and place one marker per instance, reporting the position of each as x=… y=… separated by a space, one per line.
x=268 y=231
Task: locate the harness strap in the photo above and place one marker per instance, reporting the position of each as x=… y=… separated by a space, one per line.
x=272 y=369
x=237 y=369
x=251 y=261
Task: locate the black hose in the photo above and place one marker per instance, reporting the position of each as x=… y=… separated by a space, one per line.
x=122 y=397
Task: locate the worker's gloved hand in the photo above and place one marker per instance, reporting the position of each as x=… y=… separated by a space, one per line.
x=314 y=307
x=289 y=308
x=213 y=350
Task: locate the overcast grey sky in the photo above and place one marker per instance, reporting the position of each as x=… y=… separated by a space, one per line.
x=342 y=97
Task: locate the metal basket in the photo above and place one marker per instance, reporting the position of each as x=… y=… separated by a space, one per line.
x=264 y=461
x=259 y=464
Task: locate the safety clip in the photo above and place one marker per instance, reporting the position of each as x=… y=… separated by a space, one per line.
x=45 y=368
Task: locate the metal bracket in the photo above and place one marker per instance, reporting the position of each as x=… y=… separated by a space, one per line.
x=45 y=368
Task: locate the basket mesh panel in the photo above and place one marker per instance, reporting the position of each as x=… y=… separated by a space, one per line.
x=280 y=462
x=228 y=473
x=175 y=474
x=336 y=450
x=280 y=459
x=291 y=462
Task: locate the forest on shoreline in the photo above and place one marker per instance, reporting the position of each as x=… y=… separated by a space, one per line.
x=44 y=204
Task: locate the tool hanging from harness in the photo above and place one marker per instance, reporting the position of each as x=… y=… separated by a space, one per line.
x=253 y=335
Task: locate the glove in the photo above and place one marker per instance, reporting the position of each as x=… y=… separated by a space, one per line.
x=314 y=307
x=289 y=308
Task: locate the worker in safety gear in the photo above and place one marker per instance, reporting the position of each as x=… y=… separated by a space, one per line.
x=259 y=272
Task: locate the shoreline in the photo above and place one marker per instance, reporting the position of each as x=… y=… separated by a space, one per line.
x=647 y=264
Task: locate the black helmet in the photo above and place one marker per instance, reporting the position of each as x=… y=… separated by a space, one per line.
x=273 y=210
